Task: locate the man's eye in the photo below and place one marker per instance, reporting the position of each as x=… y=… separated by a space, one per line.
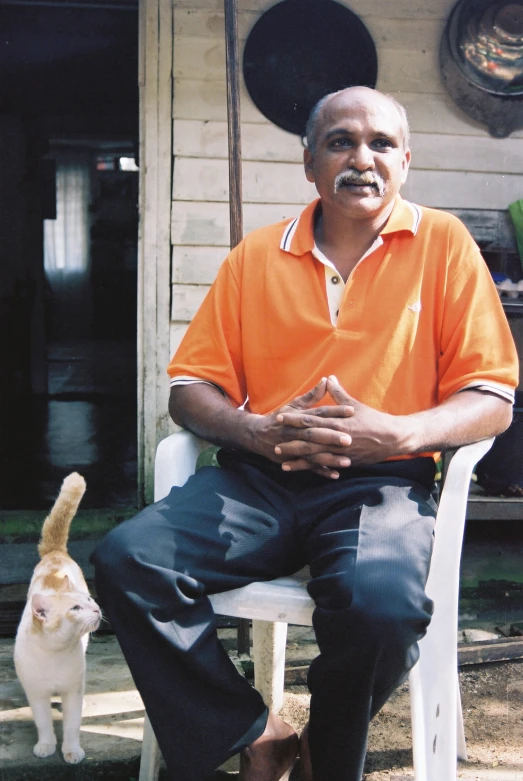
x=382 y=143
x=337 y=142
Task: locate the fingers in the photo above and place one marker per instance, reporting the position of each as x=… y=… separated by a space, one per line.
x=339 y=395
x=307 y=441
x=313 y=455
x=325 y=464
x=302 y=466
x=320 y=417
x=312 y=396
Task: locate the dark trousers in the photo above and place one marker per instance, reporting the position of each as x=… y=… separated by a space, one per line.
x=368 y=540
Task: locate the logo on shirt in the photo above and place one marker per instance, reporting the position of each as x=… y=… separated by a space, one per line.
x=415 y=307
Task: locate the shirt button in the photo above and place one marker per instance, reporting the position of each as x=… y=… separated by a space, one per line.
x=335 y=280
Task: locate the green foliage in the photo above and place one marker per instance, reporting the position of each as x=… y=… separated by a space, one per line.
x=25 y=525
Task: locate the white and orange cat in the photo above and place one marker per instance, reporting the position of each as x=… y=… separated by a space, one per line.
x=54 y=630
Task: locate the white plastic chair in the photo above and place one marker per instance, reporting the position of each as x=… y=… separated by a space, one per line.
x=437 y=721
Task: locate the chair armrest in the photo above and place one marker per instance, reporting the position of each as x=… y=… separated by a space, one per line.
x=175 y=461
x=451 y=516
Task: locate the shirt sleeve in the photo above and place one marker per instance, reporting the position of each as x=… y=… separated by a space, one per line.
x=211 y=350
x=477 y=348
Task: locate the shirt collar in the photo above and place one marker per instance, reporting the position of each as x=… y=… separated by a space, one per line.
x=298 y=235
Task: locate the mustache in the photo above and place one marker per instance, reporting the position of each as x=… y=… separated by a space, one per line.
x=353 y=176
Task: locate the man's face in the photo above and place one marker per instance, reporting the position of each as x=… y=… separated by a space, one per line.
x=360 y=161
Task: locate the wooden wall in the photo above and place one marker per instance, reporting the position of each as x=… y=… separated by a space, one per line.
x=455 y=163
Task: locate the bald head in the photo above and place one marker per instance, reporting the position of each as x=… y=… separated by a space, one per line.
x=357 y=93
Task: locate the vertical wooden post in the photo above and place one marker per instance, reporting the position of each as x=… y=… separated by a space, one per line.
x=235 y=178
x=233 y=121
x=154 y=242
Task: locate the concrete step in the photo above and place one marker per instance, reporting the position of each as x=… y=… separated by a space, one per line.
x=112 y=720
x=112 y=723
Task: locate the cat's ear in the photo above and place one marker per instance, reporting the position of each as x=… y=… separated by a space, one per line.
x=40 y=606
x=68 y=586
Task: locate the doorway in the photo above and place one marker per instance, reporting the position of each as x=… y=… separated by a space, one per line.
x=68 y=270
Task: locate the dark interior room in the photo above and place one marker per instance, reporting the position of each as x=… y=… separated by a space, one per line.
x=68 y=250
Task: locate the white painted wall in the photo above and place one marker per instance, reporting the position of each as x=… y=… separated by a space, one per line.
x=455 y=163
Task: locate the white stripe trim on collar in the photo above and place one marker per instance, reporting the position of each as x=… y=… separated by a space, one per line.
x=416 y=213
x=288 y=234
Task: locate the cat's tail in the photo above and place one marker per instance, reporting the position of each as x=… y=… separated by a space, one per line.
x=55 y=530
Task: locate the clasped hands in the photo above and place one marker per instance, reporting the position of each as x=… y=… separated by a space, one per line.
x=323 y=439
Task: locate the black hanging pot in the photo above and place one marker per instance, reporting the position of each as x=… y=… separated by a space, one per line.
x=300 y=50
x=481 y=57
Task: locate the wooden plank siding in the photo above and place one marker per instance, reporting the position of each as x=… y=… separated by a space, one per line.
x=205 y=100
x=456 y=165
x=267 y=143
x=200 y=179
x=382 y=9
x=205 y=223
x=204 y=58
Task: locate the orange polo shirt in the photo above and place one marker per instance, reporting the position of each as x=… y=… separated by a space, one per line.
x=419 y=319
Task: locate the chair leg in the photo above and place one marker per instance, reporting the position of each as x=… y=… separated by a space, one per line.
x=150 y=758
x=269 y=641
x=461 y=743
x=243 y=635
x=427 y=764
x=417 y=725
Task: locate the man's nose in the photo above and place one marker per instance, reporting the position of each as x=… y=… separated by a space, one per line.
x=362 y=157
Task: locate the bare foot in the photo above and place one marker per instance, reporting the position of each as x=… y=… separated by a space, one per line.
x=305 y=755
x=272 y=755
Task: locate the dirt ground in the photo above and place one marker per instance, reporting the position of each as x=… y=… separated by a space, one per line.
x=492 y=696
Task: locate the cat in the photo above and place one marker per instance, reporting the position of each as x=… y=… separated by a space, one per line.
x=54 y=630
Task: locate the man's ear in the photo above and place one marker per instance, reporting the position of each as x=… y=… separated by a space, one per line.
x=406 y=164
x=308 y=164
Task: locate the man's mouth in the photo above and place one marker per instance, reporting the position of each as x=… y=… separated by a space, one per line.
x=354 y=180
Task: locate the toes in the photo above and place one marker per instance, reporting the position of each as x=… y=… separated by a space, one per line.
x=75 y=756
x=42 y=749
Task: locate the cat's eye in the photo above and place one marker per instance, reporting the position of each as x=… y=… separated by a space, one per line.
x=76 y=607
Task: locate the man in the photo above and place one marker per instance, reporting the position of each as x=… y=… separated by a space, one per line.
x=333 y=357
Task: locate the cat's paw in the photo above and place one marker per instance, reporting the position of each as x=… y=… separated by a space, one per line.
x=42 y=749
x=73 y=755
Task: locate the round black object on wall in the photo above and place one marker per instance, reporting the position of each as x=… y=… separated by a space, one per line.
x=481 y=58
x=299 y=51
